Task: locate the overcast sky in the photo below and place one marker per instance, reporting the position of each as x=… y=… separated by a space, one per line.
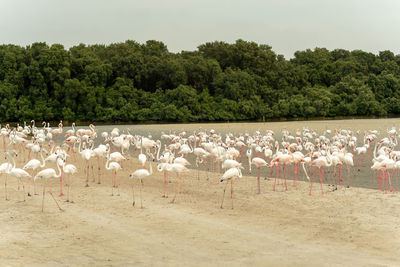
x=286 y=25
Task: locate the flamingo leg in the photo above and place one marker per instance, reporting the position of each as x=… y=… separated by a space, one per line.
x=94 y=179
x=5 y=186
x=116 y=182
x=133 y=193
x=29 y=186
x=320 y=180
x=272 y=169
x=99 y=170
x=141 y=198
x=284 y=174
x=232 y=192
x=68 y=187
x=348 y=175
x=177 y=191
x=112 y=185
x=44 y=193
x=223 y=195
x=390 y=182
x=165 y=184
x=71 y=181
x=294 y=174
x=386 y=182
x=23 y=188
x=87 y=174
x=51 y=194
x=61 y=192
x=258 y=180
x=312 y=179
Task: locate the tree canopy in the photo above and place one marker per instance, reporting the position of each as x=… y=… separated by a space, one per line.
x=130 y=81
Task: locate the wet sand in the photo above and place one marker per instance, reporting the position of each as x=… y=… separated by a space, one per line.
x=348 y=227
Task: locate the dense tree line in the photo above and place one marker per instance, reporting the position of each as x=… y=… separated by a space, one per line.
x=219 y=81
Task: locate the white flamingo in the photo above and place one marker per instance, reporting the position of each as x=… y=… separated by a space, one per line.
x=140 y=174
x=46 y=175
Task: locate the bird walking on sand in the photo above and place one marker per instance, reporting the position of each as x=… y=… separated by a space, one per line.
x=5 y=168
x=178 y=169
x=69 y=169
x=140 y=174
x=113 y=166
x=46 y=175
x=259 y=162
x=34 y=164
x=18 y=173
x=230 y=174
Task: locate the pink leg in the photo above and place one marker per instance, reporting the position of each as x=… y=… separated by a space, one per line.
x=320 y=180
x=348 y=175
x=258 y=180
x=390 y=184
x=312 y=179
x=284 y=174
x=276 y=174
x=61 y=192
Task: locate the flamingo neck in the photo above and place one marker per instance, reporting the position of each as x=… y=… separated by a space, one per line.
x=158 y=152
x=151 y=168
x=41 y=155
x=107 y=163
x=59 y=169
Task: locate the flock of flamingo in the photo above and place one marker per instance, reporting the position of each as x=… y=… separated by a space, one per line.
x=227 y=154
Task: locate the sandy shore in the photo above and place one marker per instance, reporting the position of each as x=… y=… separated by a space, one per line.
x=348 y=227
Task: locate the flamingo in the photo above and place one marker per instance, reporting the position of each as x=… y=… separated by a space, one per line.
x=69 y=169
x=113 y=166
x=70 y=132
x=283 y=159
x=34 y=164
x=319 y=163
x=6 y=167
x=58 y=131
x=18 y=173
x=348 y=160
x=258 y=162
x=86 y=154
x=177 y=168
x=99 y=152
x=166 y=157
x=140 y=174
x=230 y=174
x=200 y=154
x=46 y=175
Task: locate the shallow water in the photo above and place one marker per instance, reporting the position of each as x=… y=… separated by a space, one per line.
x=360 y=175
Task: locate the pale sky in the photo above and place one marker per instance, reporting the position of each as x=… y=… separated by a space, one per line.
x=286 y=25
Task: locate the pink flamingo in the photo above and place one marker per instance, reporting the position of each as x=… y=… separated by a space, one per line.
x=230 y=175
x=320 y=162
x=282 y=159
x=48 y=174
x=258 y=162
